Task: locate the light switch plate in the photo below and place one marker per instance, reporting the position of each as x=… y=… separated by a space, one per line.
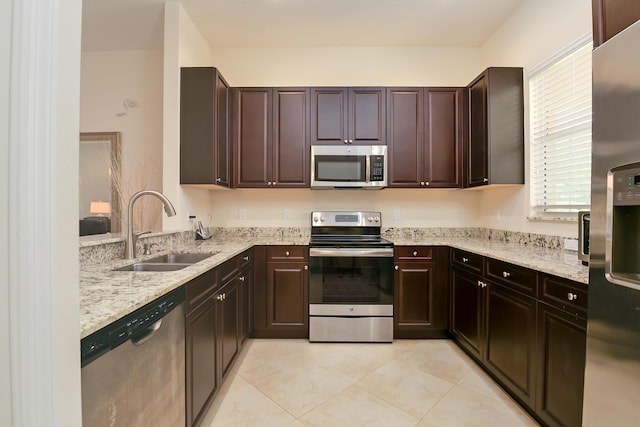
x=242 y=213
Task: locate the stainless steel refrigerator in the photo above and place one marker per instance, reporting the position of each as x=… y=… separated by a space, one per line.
x=612 y=375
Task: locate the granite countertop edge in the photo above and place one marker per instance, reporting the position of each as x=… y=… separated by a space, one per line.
x=107 y=295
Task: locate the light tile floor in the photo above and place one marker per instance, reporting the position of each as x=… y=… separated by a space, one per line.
x=422 y=383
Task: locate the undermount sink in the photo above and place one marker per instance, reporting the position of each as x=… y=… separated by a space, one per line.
x=179 y=258
x=167 y=262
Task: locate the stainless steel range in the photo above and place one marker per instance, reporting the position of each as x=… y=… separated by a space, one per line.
x=350 y=278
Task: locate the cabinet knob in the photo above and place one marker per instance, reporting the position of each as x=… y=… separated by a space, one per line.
x=220 y=297
x=482 y=284
x=572 y=297
x=246 y=258
x=397 y=268
x=506 y=274
x=485 y=179
x=218 y=179
x=465 y=259
x=273 y=183
x=426 y=183
x=351 y=141
x=415 y=253
x=422 y=183
x=287 y=253
x=306 y=267
x=346 y=141
x=268 y=183
x=241 y=278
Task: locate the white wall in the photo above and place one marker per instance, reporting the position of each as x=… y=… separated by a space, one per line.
x=108 y=79
x=536 y=31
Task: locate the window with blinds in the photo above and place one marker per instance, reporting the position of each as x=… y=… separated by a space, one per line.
x=560 y=127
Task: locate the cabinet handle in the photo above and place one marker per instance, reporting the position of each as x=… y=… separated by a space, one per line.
x=306 y=267
x=465 y=259
x=397 y=268
x=485 y=179
x=572 y=297
x=415 y=253
x=241 y=278
x=220 y=297
x=506 y=274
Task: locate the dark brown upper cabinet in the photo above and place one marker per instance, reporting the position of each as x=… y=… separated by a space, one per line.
x=612 y=16
x=425 y=131
x=204 y=140
x=495 y=149
x=348 y=116
x=271 y=137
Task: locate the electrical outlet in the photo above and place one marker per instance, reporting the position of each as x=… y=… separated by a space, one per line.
x=571 y=244
x=286 y=213
x=242 y=213
x=396 y=214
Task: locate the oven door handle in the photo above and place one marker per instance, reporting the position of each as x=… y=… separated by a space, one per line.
x=351 y=252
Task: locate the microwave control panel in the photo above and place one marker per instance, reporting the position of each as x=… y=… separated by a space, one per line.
x=377 y=168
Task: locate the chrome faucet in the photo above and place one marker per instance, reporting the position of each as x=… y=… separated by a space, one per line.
x=130 y=244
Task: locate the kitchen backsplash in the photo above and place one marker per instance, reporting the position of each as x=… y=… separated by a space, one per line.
x=100 y=250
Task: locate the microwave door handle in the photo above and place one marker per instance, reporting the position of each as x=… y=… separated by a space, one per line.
x=367 y=168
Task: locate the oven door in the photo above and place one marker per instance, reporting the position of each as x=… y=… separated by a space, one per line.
x=351 y=276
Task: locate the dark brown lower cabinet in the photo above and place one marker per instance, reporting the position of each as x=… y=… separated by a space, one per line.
x=280 y=292
x=510 y=339
x=421 y=292
x=561 y=362
x=201 y=340
x=217 y=322
x=467 y=311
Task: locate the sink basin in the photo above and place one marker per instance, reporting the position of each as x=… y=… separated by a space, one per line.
x=179 y=258
x=146 y=266
x=167 y=262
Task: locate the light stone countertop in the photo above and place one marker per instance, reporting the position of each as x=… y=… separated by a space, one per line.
x=107 y=295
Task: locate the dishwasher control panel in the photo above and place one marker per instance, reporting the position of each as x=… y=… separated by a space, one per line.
x=118 y=332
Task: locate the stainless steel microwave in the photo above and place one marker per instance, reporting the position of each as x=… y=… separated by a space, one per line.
x=348 y=166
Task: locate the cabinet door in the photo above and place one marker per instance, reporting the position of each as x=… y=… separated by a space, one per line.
x=467 y=311
x=291 y=138
x=413 y=297
x=561 y=362
x=367 y=116
x=203 y=124
x=287 y=296
x=252 y=136
x=201 y=348
x=478 y=149
x=244 y=309
x=444 y=123
x=612 y=16
x=405 y=137
x=329 y=116
x=222 y=142
x=510 y=351
x=227 y=307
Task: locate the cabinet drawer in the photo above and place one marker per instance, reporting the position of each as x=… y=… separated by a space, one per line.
x=198 y=289
x=413 y=253
x=467 y=260
x=565 y=294
x=287 y=253
x=228 y=269
x=515 y=277
x=245 y=259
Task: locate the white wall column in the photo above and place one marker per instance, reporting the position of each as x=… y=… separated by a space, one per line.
x=40 y=193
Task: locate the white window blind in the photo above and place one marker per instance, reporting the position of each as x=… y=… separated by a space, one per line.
x=560 y=126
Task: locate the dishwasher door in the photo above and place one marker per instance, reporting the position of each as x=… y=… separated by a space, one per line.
x=141 y=381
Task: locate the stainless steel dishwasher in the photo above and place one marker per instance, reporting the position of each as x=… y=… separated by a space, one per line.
x=133 y=370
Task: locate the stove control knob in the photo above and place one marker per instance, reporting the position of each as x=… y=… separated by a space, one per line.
x=370 y=219
x=323 y=219
x=376 y=219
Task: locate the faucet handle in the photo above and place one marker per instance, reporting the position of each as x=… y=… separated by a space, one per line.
x=146 y=248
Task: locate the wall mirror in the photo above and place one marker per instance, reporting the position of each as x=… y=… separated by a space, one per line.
x=99 y=183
